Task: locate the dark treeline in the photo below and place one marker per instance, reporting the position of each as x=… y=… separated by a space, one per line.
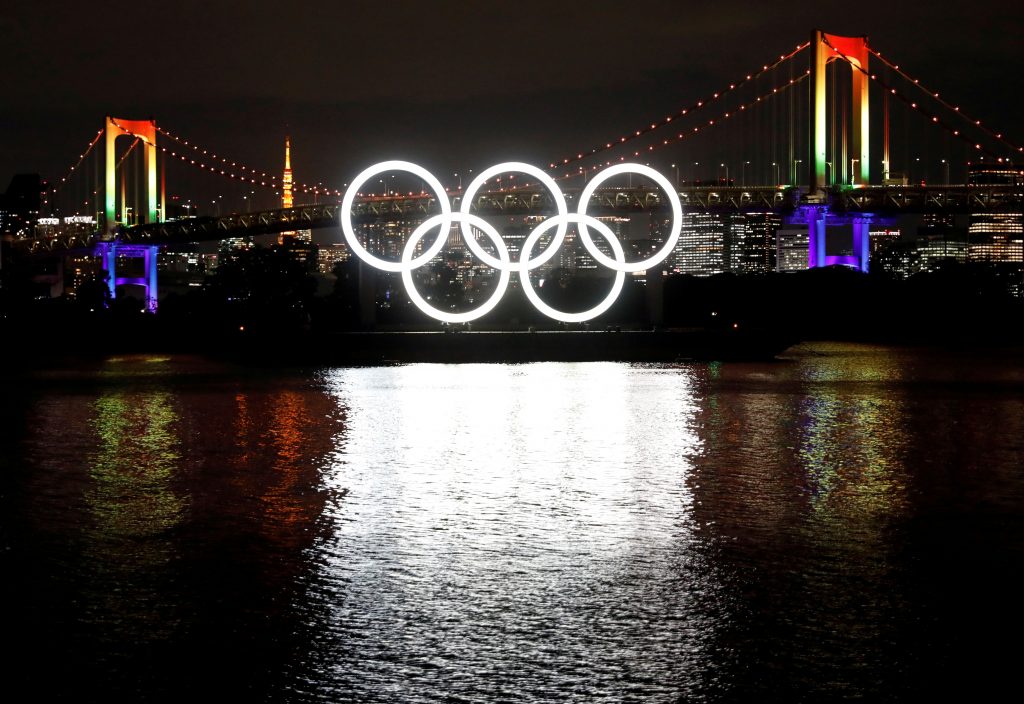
x=265 y=297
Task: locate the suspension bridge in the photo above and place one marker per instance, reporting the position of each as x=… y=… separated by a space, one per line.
x=830 y=132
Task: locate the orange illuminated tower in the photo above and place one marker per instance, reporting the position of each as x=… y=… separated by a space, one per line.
x=286 y=187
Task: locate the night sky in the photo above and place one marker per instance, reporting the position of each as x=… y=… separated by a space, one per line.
x=452 y=85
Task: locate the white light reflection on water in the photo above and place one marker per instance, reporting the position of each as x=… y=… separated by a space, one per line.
x=528 y=525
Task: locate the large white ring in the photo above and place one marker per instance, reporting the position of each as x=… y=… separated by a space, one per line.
x=350 y=196
x=549 y=183
x=443 y=223
x=601 y=307
x=673 y=199
x=503 y=259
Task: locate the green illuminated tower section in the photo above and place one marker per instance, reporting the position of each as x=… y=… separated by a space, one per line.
x=146 y=131
x=828 y=48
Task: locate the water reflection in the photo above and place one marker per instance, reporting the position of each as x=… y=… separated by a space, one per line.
x=844 y=523
x=134 y=509
x=525 y=525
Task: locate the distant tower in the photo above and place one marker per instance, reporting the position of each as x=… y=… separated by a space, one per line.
x=288 y=201
x=286 y=187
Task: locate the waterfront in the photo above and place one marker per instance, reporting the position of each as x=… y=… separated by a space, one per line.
x=844 y=522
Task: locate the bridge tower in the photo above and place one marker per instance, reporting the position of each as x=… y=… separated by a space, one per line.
x=109 y=249
x=829 y=48
x=146 y=130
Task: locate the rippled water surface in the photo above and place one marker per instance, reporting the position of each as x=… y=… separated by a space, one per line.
x=846 y=522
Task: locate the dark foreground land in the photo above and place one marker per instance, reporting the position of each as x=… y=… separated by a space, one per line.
x=276 y=318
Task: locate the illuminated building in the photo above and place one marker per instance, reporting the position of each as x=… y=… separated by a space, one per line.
x=996 y=237
x=881 y=241
x=182 y=271
x=330 y=255
x=751 y=242
x=791 y=249
x=934 y=252
x=940 y=241
x=79 y=268
x=712 y=243
x=701 y=247
x=992 y=236
x=999 y=173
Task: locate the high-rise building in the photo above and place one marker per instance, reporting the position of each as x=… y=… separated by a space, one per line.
x=751 y=242
x=1001 y=172
x=791 y=249
x=701 y=246
x=880 y=241
x=996 y=237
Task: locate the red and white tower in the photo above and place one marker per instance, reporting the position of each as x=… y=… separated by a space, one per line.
x=286 y=187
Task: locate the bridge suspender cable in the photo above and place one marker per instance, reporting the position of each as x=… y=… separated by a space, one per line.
x=721 y=117
x=934 y=119
x=934 y=95
x=611 y=144
x=263 y=175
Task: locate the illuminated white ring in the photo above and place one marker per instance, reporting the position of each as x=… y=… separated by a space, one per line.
x=673 y=199
x=444 y=221
x=547 y=181
x=620 y=275
x=346 y=215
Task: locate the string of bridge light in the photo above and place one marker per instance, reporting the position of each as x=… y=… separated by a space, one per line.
x=650 y=148
x=263 y=176
x=934 y=119
x=949 y=106
x=130 y=150
x=682 y=112
x=81 y=158
x=722 y=117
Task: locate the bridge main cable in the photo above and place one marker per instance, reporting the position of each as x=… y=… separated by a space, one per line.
x=934 y=95
x=935 y=119
x=680 y=113
x=695 y=130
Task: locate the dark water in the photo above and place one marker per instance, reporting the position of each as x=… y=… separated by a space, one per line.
x=845 y=523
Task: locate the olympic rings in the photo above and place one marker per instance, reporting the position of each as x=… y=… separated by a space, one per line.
x=346 y=215
x=673 y=199
x=561 y=221
x=549 y=183
x=503 y=262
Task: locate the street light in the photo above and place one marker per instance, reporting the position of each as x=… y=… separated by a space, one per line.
x=853 y=171
x=696 y=164
x=726 y=173
x=945 y=165
x=793 y=177
x=743 y=172
x=676 y=167
x=775 y=171
x=828 y=172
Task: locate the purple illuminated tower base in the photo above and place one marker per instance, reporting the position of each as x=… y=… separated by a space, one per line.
x=816 y=218
x=110 y=251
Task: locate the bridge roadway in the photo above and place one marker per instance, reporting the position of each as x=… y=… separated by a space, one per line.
x=877 y=200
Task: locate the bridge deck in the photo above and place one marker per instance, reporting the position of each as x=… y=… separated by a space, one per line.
x=880 y=200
